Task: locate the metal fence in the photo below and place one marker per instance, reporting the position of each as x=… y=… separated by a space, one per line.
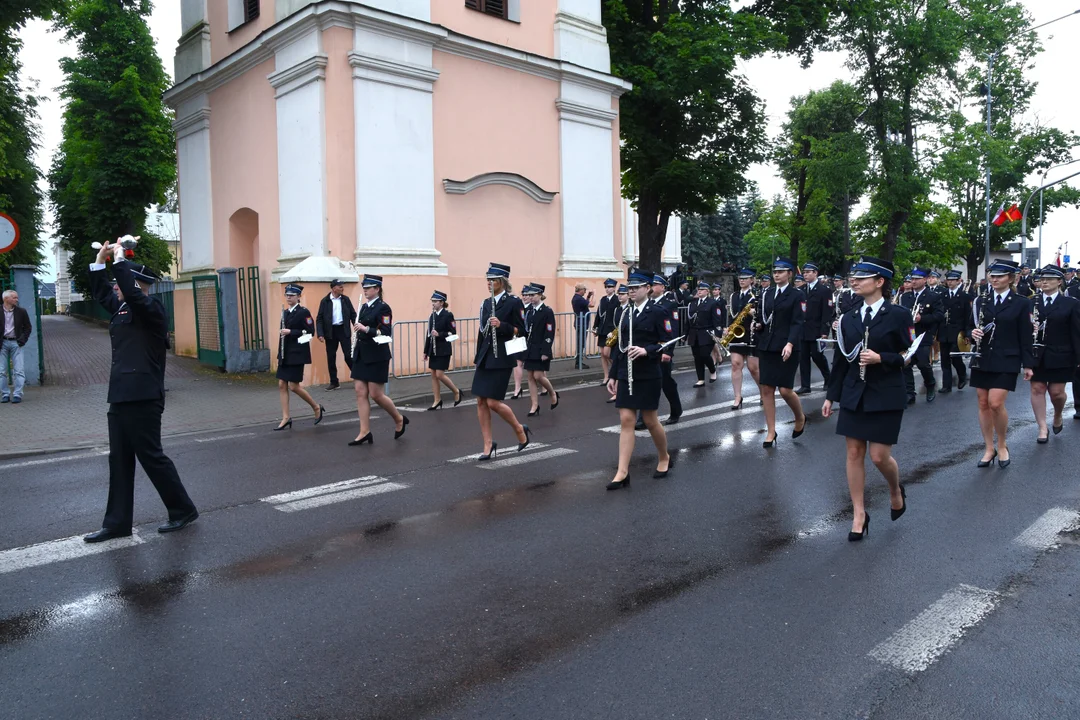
x=409 y=337
x=251 y=326
x=89 y=309
x=163 y=290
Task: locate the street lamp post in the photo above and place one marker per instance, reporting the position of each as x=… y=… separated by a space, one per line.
x=1042 y=214
x=990 y=131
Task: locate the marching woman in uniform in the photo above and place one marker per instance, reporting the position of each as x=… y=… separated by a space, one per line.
x=742 y=350
x=540 y=336
x=438 y=350
x=1059 y=354
x=293 y=355
x=624 y=303
x=779 y=332
x=371 y=360
x=502 y=318
x=519 y=369
x=1000 y=326
x=604 y=322
x=867 y=381
x=703 y=315
x=718 y=298
x=636 y=379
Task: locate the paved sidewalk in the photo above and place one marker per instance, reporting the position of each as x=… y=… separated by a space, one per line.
x=68 y=412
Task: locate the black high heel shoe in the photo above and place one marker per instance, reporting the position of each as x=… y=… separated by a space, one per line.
x=460 y=397
x=738 y=405
x=366 y=439
x=895 y=514
x=322 y=411
x=856 y=536
x=619 y=484
x=516 y=395
x=554 y=404
x=284 y=425
x=1043 y=440
x=532 y=413
x=769 y=443
x=658 y=474
x=987 y=463
x=522 y=446
x=404 y=424
x=797 y=433
x=1058 y=428
x=490 y=455
x=436 y=406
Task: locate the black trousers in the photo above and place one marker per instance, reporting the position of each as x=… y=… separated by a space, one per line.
x=703 y=359
x=135 y=432
x=581 y=330
x=810 y=352
x=922 y=361
x=671 y=388
x=338 y=335
x=948 y=362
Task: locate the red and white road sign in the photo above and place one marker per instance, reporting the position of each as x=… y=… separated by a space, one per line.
x=9 y=234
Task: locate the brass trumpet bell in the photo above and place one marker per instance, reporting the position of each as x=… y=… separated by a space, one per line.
x=738 y=332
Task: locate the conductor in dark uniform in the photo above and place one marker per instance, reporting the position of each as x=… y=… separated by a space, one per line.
x=604 y=322
x=333 y=325
x=867 y=383
x=667 y=302
x=925 y=307
x=1057 y=349
x=139 y=333
x=819 y=316
x=1025 y=283
x=956 y=309
x=779 y=333
x=540 y=339
x=704 y=316
x=636 y=377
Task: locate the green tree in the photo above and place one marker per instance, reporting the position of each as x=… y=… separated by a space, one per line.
x=20 y=197
x=692 y=125
x=118 y=155
x=770 y=236
x=930 y=238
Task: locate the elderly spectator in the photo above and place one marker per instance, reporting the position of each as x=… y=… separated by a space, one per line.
x=16 y=333
x=581 y=304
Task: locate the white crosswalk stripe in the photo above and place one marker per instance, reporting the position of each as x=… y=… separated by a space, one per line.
x=523 y=458
x=63 y=549
x=1044 y=533
x=684 y=424
x=323 y=495
x=472 y=458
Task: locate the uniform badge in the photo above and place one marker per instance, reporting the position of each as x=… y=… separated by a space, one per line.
x=675 y=315
x=667 y=325
x=830 y=303
x=911 y=332
x=719 y=312
x=522 y=313
x=549 y=327
x=309 y=320
x=803 y=303
x=453 y=325
x=385 y=319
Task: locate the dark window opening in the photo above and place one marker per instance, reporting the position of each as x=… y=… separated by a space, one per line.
x=497 y=8
x=251 y=10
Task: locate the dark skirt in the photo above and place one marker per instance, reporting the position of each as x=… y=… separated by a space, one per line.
x=1053 y=375
x=371 y=372
x=290 y=373
x=774 y=371
x=744 y=350
x=490 y=383
x=875 y=427
x=993 y=380
x=439 y=362
x=544 y=365
x=646 y=395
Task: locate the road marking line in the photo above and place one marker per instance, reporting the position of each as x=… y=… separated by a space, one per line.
x=687 y=424
x=1043 y=533
x=63 y=549
x=337 y=497
x=224 y=437
x=48 y=461
x=322 y=490
x=918 y=645
x=522 y=459
x=472 y=458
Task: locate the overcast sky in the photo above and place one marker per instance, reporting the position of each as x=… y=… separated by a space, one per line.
x=776 y=80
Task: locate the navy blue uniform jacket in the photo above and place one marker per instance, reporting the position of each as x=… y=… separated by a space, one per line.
x=786 y=314
x=891 y=334
x=511 y=314
x=1009 y=348
x=378 y=318
x=652 y=327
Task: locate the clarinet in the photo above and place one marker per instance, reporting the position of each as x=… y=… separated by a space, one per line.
x=281 y=338
x=865 y=347
x=982 y=322
x=629 y=360
x=491 y=328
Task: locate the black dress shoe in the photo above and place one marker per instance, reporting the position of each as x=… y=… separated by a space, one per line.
x=1043 y=440
x=673 y=420
x=404 y=424
x=369 y=438
x=1057 y=429
x=911 y=400
x=895 y=514
x=640 y=425
x=962 y=384
x=460 y=397
x=322 y=411
x=945 y=391
x=1004 y=463
x=174 y=525
x=105 y=534
x=931 y=393
x=856 y=536
x=619 y=484
x=553 y=405
x=803 y=391
x=987 y=463
x=797 y=433
x=1076 y=416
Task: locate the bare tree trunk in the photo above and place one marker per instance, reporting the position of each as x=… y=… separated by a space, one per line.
x=652 y=231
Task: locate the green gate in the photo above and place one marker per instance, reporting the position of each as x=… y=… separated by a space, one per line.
x=7 y=282
x=209 y=328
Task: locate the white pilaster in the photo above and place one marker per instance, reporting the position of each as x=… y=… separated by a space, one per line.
x=300 y=85
x=192 y=128
x=393 y=80
x=588 y=211
x=580 y=37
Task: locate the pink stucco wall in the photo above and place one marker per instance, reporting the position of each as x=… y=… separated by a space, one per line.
x=222 y=43
x=533 y=34
x=340 y=144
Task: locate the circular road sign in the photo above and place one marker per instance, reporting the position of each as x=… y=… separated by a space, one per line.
x=9 y=234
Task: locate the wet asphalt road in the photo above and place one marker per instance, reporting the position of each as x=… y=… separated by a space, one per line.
x=525 y=590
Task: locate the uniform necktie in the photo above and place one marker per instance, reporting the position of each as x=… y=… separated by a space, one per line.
x=869 y=314
x=996 y=304
x=1049 y=302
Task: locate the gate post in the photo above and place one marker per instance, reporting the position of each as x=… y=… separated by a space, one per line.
x=23 y=283
x=236 y=359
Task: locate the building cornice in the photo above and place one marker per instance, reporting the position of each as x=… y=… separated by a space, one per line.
x=392 y=72
x=519 y=182
x=299 y=75
x=586 y=114
x=192 y=123
x=342 y=13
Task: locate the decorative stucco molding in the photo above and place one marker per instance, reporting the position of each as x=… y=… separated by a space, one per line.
x=192 y=123
x=518 y=182
x=299 y=75
x=392 y=72
x=587 y=114
x=400 y=261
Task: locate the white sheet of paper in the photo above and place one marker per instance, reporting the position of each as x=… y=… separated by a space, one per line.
x=383 y=339
x=304 y=339
x=451 y=338
x=517 y=345
x=914 y=348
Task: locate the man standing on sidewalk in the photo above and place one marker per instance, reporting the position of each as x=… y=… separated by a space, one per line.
x=333 y=325
x=139 y=331
x=16 y=333
x=581 y=304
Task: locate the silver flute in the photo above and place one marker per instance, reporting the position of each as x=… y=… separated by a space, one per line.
x=865 y=347
x=354 y=337
x=281 y=338
x=491 y=328
x=630 y=360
